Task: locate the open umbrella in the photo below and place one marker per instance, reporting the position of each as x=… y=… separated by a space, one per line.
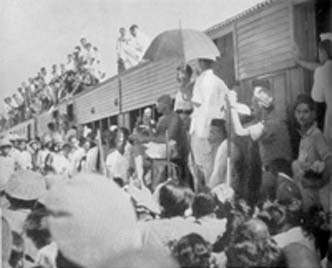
x=185 y=44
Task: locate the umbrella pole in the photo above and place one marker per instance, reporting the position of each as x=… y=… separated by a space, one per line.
x=167 y=155
x=229 y=144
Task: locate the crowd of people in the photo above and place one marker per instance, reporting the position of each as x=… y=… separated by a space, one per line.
x=211 y=183
x=50 y=86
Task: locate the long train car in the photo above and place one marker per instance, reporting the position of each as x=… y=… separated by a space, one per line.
x=258 y=44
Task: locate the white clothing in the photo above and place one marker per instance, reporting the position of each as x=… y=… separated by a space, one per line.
x=211 y=228
x=182 y=102
x=91 y=160
x=24 y=159
x=46 y=256
x=322 y=92
x=117 y=165
x=75 y=159
x=209 y=93
x=158 y=233
x=61 y=164
x=41 y=157
x=294 y=235
x=7 y=168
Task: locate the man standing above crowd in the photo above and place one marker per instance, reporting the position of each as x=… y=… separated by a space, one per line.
x=207 y=118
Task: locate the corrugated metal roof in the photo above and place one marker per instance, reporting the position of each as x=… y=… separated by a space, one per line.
x=248 y=11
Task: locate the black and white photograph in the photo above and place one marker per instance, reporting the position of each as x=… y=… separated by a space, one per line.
x=166 y=133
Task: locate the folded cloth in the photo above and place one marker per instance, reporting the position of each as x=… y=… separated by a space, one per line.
x=159 y=150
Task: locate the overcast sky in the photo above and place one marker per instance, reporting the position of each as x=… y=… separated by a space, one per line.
x=36 y=33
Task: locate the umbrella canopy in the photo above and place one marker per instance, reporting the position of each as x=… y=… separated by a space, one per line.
x=185 y=44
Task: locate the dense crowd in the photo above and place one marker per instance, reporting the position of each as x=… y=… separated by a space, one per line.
x=82 y=69
x=210 y=183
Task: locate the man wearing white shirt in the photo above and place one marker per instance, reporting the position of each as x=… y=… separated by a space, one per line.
x=117 y=162
x=24 y=159
x=207 y=118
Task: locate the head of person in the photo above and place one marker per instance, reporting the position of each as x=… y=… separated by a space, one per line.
x=183 y=74
x=88 y=46
x=54 y=67
x=164 y=104
x=174 y=199
x=252 y=246
x=69 y=57
x=205 y=64
x=20 y=89
x=192 y=251
x=5 y=146
x=66 y=149
x=22 y=144
x=34 y=145
x=147 y=114
x=43 y=71
x=83 y=41
x=77 y=49
x=262 y=98
x=122 y=31
x=121 y=139
x=51 y=126
x=56 y=147
x=133 y=30
x=323 y=51
x=73 y=141
x=304 y=111
x=204 y=204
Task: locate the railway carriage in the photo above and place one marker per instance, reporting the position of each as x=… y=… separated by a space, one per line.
x=261 y=43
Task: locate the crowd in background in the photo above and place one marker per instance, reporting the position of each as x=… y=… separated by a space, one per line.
x=50 y=86
x=209 y=183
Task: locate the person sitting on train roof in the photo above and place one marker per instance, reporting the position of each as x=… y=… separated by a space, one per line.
x=207 y=120
x=320 y=91
x=270 y=131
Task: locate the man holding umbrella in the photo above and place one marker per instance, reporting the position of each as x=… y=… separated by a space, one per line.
x=207 y=125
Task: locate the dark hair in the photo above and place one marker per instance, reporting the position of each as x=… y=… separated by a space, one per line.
x=248 y=250
x=189 y=242
x=36 y=228
x=175 y=199
x=325 y=45
x=51 y=126
x=187 y=69
x=280 y=165
x=204 y=204
x=304 y=99
x=119 y=181
x=132 y=27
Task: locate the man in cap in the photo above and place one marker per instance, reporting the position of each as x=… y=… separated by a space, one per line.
x=269 y=131
x=7 y=162
x=207 y=119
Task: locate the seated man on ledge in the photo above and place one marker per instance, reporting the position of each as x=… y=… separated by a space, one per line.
x=169 y=122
